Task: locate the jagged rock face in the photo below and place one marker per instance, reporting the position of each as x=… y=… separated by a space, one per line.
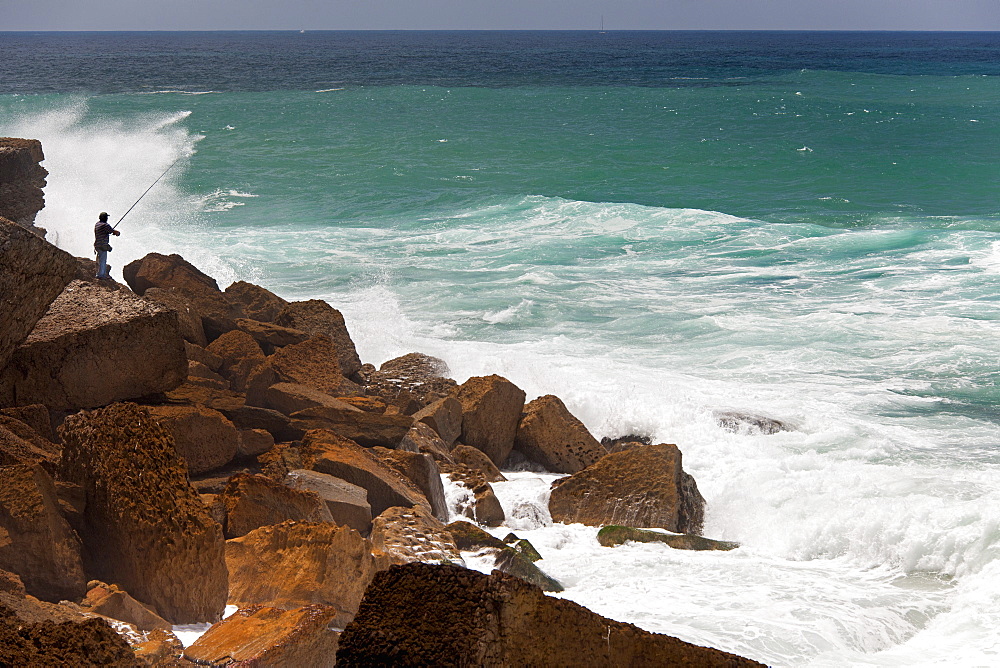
x=422 y=471
x=20 y=444
x=45 y=643
x=641 y=487
x=254 y=501
x=550 y=435
x=265 y=636
x=491 y=409
x=300 y=563
x=144 y=527
x=312 y=363
x=35 y=540
x=240 y=356
x=95 y=346
x=444 y=416
x=368 y=429
x=495 y=620
x=32 y=273
x=412 y=534
x=257 y=302
x=204 y=438
x=421 y=376
x=21 y=180
x=344 y=459
x=316 y=317
x=347 y=503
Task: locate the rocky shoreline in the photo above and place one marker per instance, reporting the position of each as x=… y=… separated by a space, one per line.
x=168 y=448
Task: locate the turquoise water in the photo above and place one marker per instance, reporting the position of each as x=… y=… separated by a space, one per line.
x=654 y=228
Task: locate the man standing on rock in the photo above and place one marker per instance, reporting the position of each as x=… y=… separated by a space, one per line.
x=101 y=246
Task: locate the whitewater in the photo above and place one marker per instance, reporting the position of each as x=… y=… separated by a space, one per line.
x=854 y=303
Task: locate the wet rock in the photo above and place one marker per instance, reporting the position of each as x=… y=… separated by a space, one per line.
x=188 y=320
x=550 y=435
x=36 y=543
x=33 y=273
x=266 y=636
x=738 y=422
x=254 y=501
x=611 y=444
x=240 y=355
x=491 y=410
x=257 y=302
x=344 y=459
x=513 y=562
x=412 y=534
x=347 y=503
x=612 y=535
x=644 y=487
x=203 y=437
x=144 y=527
x=421 y=470
x=476 y=459
x=95 y=346
x=421 y=376
x=368 y=429
x=270 y=336
x=523 y=547
x=21 y=181
x=299 y=563
x=495 y=621
x=481 y=505
x=444 y=416
x=512 y=555
x=316 y=317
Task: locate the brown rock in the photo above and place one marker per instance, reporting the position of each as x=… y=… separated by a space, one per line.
x=370 y=404
x=344 y=459
x=33 y=272
x=550 y=435
x=312 y=363
x=299 y=563
x=189 y=394
x=253 y=417
x=91 y=642
x=443 y=416
x=265 y=636
x=144 y=527
x=421 y=376
x=644 y=487
x=497 y=620
x=240 y=354
x=95 y=346
x=422 y=438
x=196 y=353
x=317 y=317
x=270 y=336
x=412 y=534
x=112 y=601
x=35 y=541
x=476 y=459
x=422 y=471
x=21 y=182
x=491 y=409
x=253 y=442
x=20 y=444
x=347 y=503
x=288 y=398
x=35 y=416
x=188 y=320
x=368 y=429
x=254 y=501
x=469 y=537
x=203 y=437
x=256 y=302
x=199 y=372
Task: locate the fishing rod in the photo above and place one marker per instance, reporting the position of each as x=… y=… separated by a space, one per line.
x=147 y=190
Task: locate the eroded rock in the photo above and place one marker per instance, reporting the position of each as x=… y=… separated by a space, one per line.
x=413 y=534
x=491 y=410
x=254 y=501
x=257 y=302
x=347 y=503
x=316 y=317
x=550 y=435
x=203 y=437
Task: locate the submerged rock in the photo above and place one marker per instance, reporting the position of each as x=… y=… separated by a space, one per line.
x=612 y=535
x=738 y=422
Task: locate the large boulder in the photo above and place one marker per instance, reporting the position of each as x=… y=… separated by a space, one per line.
x=444 y=416
x=258 y=303
x=491 y=409
x=422 y=438
x=270 y=336
x=21 y=180
x=265 y=636
x=35 y=541
x=33 y=272
x=412 y=534
x=144 y=527
x=317 y=317
x=476 y=459
x=91 y=642
x=497 y=620
x=423 y=377
x=198 y=290
x=93 y=347
x=344 y=459
x=641 y=487
x=301 y=563
x=188 y=320
x=253 y=501
x=550 y=435
x=422 y=471
x=368 y=429
x=347 y=503
x=203 y=437
x=240 y=354
x=312 y=363
x=289 y=398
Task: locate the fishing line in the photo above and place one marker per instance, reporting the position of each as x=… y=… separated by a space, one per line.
x=147 y=190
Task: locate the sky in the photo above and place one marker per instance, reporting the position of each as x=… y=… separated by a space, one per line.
x=499 y=14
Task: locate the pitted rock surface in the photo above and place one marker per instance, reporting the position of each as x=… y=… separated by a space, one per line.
x=423 y=376
x=253 y=501
x=491 y=410
x=552 y=436
x=21 y=180
x=316 y=317
x=257 y=302
x=413 y=534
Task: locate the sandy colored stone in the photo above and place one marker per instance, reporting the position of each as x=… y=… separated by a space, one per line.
x=36 y=543
x=641 y=487
x=300 y=563
x=20 y=444
x=257 y=302
x=203 y=437
x=21 y=181
x=290 y=398
x=422 y=471
x=253 y=442
x=144 y=527
x=421 y=438
x=368 y=429
x=316 y=317
x=491 y=410
x=35 y=416
x=196 y=353
x=412 y=534
x=444 y=416
x=550 y=435
x=189 y=321
x=114 y=602
x=476 y=459
x=312 y=363
x=240 y=354
x=348 y=504
x=417 y=376
x=270 y=336
x=254 y=501
x=95 y=346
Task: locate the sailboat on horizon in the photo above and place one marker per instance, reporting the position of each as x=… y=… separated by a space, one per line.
x=602 y=26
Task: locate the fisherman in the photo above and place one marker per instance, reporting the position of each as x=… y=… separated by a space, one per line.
x=101 y=246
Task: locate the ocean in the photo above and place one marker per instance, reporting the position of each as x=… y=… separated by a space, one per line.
x=654 y=226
